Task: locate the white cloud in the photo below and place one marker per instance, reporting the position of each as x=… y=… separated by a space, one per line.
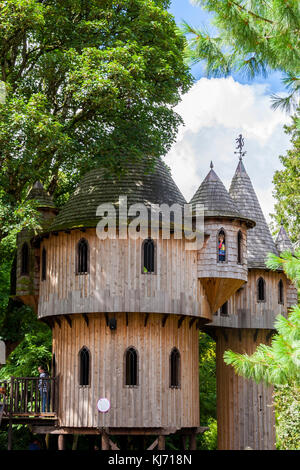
x=215 y=112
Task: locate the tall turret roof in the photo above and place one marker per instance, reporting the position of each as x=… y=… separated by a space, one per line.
x=259 y=239
x=216 y=199
x=41 y=197
x=138 y=183
x=283 y=242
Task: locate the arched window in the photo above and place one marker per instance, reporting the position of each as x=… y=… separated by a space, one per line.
x=261 y=290
x=25 y=259
x=84 y=366
x=224 y=309
x=82 y=256
x=131 y=367
x=44 y=264
x=148 y=256
x=221 y=246
x=280 y=292
x=239 y=247
x=175 y=368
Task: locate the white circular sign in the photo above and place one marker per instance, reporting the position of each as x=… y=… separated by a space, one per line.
x=103 y=405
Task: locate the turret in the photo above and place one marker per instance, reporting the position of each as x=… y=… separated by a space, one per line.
x=222 y=261
x=28 y=253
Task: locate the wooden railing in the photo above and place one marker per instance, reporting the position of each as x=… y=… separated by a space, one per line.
x=29 y=396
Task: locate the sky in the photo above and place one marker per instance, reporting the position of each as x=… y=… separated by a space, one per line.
x=215 y=112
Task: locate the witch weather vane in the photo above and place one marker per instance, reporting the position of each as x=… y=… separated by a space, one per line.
x=240 y=144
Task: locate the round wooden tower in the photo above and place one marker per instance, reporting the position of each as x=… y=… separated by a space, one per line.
x=245 y=411
x=125 y=314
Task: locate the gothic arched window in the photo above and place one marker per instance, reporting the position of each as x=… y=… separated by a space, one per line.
x=25 y=259
x=84 y=366
x=239 y=247
x=221 y=246
x=175 y=368
x=280 y=292
x=82 y=256
x=131 y=367
x=148 y=258
x=261 y=290
x=44 y=264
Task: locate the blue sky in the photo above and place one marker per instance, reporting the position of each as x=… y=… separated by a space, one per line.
x=215 y=111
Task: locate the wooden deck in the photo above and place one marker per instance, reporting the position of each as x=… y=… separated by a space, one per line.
x=22 y=400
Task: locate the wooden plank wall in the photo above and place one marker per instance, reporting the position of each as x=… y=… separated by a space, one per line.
x=245 y=413
x=116 y=282
x=243 y=309
x=152 y=403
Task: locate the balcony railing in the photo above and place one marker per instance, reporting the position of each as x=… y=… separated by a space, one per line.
x=28 y=397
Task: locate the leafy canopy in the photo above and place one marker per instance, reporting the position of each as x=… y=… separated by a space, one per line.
x=88 y=82
x=287 y=185
x=252 y=37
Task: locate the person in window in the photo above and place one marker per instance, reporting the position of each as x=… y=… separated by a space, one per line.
x=44 y=388
x=222 y=247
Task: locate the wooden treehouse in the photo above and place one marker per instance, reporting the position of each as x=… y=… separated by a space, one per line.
x=125 y=313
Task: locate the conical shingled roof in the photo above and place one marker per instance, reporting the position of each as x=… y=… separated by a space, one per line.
x=138 y=184
x=215 y=198
x=259 y=238
x=283 y=242
x=41 y=197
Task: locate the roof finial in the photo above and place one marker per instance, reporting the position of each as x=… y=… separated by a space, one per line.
x=211 y=165
x=240 y=144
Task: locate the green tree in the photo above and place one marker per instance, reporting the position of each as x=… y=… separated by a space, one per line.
x=87 y=83
x=278 y=364
x=287 y=186
x=252 y=37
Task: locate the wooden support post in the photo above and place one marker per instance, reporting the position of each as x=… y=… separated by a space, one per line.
x=183 y=442
x=75 y=441
x=161 y=443
x=105 y=441
x=47 y=441
x=11 y=397
x=61 y=442
x=193 y=443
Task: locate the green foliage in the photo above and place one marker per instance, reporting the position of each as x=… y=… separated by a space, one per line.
x=207 y=378
x=87 y=83
x=35 y=349
x=287 y=409
x=278 y=364
x=209 y=439
x=252 y=37
x=287 y=185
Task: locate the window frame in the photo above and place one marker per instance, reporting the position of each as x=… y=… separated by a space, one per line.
x=240 y=257
x=177 y=366
x=127 y=385
x=84 y=348
x=280 y=287
x=143 y=257
x=82 y=273
x=44 y=264
x=217 y=246
x=258 y=300
x=22 y=271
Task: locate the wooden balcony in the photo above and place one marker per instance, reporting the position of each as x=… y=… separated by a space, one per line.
x=28 y=399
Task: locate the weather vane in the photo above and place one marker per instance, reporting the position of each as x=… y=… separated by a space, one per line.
x=240 y=144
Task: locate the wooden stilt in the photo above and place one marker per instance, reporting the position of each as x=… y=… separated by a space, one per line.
x=193 y=442
x=75 y=441
x=183 y=442
x=61 y=442
x=105 y=441
x=161 y=443
x=9 y=440
x=47 y=441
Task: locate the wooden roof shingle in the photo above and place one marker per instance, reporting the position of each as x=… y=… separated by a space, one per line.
x=138 y=183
